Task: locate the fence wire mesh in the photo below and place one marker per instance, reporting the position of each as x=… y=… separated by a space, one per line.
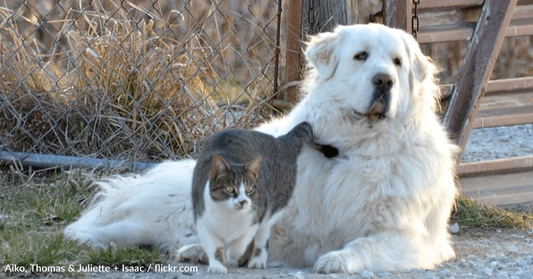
x=132 y=80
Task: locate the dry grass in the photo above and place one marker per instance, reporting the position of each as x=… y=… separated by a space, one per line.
x=124 y=83
x=148 y=81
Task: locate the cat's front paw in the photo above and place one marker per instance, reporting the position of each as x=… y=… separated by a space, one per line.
x=193 y=253
x=217 y=268
x=256 y=262
x=338 y=262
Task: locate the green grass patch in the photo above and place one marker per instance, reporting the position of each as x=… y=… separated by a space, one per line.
x=128 y=256
x=472 y=213
x=34 y=210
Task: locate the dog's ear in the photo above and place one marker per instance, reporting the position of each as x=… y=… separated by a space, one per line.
x=422 y=74
x=421 y=66
x=322 y=54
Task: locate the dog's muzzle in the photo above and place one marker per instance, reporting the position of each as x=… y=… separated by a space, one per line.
x=381 y=99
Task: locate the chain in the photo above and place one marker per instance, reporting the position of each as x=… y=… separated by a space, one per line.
x=415 y=21
x=311 y=17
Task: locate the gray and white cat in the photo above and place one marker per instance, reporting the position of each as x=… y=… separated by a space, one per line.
x=242 y=181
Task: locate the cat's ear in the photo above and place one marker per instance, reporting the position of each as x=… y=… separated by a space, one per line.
x=219 y=167
x=253 y=166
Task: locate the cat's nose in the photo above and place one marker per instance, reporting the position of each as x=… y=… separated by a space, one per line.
x=243 y=203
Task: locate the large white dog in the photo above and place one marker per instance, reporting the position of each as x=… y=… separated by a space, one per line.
x=381 y=204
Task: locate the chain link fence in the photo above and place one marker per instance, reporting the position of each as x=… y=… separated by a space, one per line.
x=148 y=80
x=142 y=80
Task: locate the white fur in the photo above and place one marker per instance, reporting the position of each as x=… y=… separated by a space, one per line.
x=382 y=204
x=225 y=223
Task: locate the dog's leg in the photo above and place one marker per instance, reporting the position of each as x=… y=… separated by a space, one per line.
x=388 y=250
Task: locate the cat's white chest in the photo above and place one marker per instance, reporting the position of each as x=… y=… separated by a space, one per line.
x=224 y=219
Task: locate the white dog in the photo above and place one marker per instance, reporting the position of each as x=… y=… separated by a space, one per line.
x=382 y=204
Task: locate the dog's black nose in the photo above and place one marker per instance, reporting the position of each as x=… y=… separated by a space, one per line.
x=383 y=80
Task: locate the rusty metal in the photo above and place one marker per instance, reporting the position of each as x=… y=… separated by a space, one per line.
x=479 y=62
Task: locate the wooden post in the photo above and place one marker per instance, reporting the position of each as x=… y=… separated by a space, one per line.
x=324 y=15
x=485 y=44
x=306 y=17
x=293 y=54
x=397 y=14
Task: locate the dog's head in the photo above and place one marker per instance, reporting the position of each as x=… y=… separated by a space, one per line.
x=376 y=72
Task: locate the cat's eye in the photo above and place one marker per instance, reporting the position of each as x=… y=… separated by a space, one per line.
x=229 y=190
x=361 y=56
x=249 y=189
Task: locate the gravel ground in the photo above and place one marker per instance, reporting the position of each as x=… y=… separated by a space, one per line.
x=499 y=254
x=499 y=142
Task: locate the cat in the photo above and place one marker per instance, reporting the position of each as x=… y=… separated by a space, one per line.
x=242 y=182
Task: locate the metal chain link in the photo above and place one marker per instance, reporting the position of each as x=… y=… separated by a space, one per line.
x=311 y=17
x=415 y=21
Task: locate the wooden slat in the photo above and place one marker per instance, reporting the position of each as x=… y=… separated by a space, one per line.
x=439 y=34
x=520 y=27
x=497 y=86
x=499 y=166
x=499 y=189
x=442 y=26
x=510 y=84
x=463 y=32
x=498 y=182
x=507 y=120
x=506 y=102
x=449 y=4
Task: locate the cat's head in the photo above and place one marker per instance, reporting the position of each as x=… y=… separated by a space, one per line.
x=234 y=185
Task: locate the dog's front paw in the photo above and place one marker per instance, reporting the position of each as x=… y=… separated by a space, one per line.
x=193 y=253
x=338 y=262
x=217 y=268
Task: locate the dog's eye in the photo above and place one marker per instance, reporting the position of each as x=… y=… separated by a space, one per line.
x=361 y=56
x=397 y=62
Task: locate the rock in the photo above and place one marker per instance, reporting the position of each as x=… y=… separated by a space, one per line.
x=525 y=274
x=454 y=229
x=367 y=274
x=502 y=275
